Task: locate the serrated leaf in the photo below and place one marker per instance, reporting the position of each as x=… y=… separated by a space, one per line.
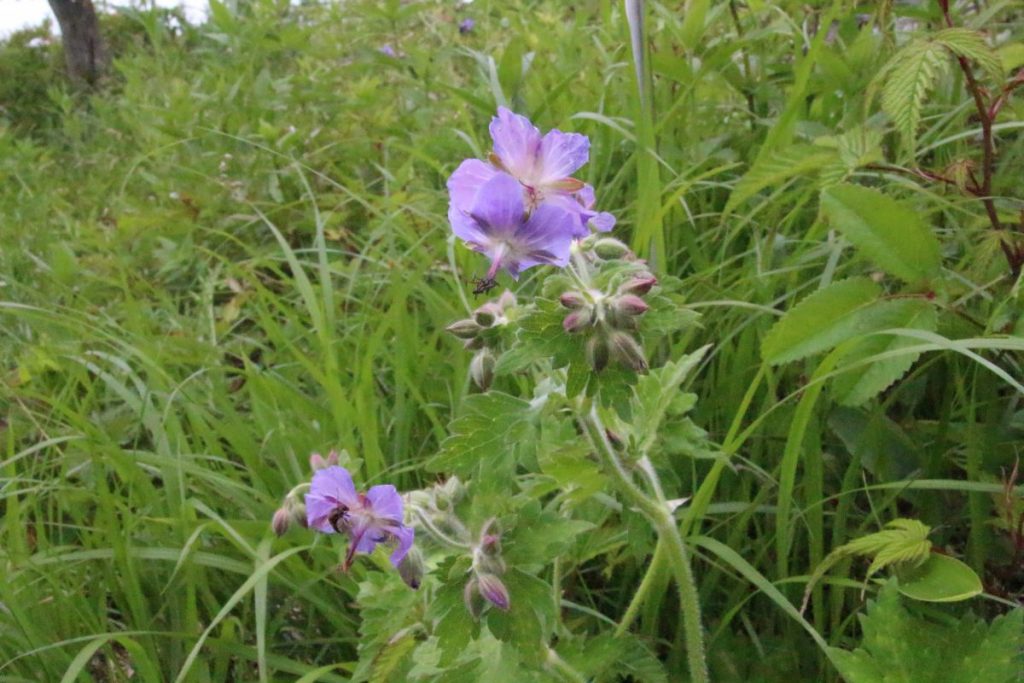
x=940 y=578
x=489 y=426
x=862 y=382
x=910 y=74
x=886 y=231
x=777 y=167
x=824 y=319
x=900 y=648
x=655 y=392
x=971 y=44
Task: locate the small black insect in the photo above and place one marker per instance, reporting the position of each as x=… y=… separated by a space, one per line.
x=338 y=518
x=484 y=284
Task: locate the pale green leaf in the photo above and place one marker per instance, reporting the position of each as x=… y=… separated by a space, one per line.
x=939 y=579
x=886 y=231
x=821 y=321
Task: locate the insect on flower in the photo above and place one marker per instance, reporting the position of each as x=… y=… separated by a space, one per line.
x=334 y=506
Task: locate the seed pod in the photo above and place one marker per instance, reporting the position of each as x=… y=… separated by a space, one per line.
x=487 y=315
x=630 y=304
x=572 y=300
x=610 y=248
x=639 y=285
x=628 y=351
x=481 y=368
x=464 y=329
x=493 y=590
x=597 y=352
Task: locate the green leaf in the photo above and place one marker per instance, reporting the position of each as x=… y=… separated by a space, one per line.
x=819 y=322
x=971 y=44
x=777 y=167
x=886 y=231
x=655 y=392
x=491 y=425
x=862 y=382
x=910 y=74
x=940 y=579
x=898 y=647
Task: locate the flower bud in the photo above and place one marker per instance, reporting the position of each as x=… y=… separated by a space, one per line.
x=464 y=329
x=493 y=590
x=576 y=321
x=597 y=352
x=628 y=351
x=281 y=521
x=610 y=248
x=572 y=300
x=469 y=595
x=332 y=458
x=639 y=285
x=317 y=462
x=487 y=315
x=473 y=344
x=630 y=304
x=412 y=568
x=481 y=369
x=507 y=299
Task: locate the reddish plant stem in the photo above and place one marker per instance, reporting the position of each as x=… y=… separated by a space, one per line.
x=1014 y=254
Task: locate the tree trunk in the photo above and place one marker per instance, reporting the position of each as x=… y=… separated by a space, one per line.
x=84 y=51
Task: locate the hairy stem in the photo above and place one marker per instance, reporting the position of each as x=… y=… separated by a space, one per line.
x=656 y=511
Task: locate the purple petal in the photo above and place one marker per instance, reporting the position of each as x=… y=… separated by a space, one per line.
x=516 y=142
x=561 y=154
x=405 y=536
x=465 y=228
x=465 y=183
x=546 y=237
x=385 y=502
x=602 y=222
x=366 y=536
x=499 y=205
x=586 y=196
x=318 y=512
x=335 y=482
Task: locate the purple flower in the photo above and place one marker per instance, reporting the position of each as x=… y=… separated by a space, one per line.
x=543 y=166
x=495 y=223
x=333 y=505
x=466 y=25
x=387 y=50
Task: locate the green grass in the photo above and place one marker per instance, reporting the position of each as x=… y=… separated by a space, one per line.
x=237 y=253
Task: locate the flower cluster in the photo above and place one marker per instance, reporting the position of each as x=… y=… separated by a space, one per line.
x=608 y=320
x=522 y=207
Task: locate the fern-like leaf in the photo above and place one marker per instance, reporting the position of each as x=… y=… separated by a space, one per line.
x=903 y=542
x=914 y=71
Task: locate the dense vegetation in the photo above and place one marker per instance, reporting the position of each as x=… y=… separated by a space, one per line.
x=236 y=253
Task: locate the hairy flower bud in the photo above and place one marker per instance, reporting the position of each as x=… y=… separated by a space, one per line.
x=572 y=300
x=332 y=458
x=630 y=304
x=317 y=462
x=597 y=352
x=577 y=321
x=281 y=521
x=481 y=369
x=464 y=329
x=610 y=248
x=628 y=351
x=493 y=590
x=507 y=299
x=412 y=568
x=487 y=315
x=473 y=344
x=639 y=285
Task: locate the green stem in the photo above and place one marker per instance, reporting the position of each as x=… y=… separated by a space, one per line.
x=653 y=570
x=657 y=512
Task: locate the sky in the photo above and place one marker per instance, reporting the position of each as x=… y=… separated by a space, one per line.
x=18 y=14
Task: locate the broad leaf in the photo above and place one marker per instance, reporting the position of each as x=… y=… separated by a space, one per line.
x=489 y=427
x=898 y=647
x=862 y=382
x=940 y=579
x=884 y=230
x=821 y=321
